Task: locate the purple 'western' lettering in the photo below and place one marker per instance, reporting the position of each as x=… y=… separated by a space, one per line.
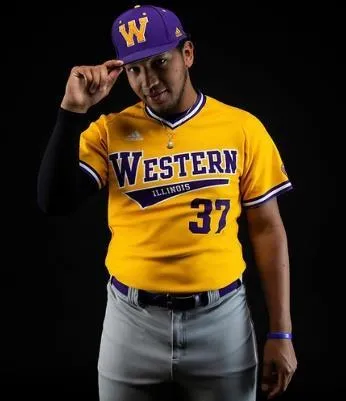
x=149 y=175
x=122 y=167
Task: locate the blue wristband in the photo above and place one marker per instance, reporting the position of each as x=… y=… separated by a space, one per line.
x=279 y=335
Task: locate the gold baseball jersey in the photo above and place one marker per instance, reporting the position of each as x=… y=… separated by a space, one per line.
x=173 y=212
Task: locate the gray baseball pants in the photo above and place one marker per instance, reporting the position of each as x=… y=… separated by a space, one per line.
x=209 y=352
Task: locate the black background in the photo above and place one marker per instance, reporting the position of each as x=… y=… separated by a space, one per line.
x=282 y=63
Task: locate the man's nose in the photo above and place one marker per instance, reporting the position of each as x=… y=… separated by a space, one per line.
x=150 y=79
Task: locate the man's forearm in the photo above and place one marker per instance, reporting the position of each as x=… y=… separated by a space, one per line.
x=57 y=185
x=272 y=260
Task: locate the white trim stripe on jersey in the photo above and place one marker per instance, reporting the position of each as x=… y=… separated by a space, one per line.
x=285 y=186
x=91 y=172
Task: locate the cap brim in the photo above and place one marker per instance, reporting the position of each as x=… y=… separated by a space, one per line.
x=147 y=53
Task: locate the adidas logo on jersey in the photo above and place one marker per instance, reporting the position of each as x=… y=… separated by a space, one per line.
x=134 y=136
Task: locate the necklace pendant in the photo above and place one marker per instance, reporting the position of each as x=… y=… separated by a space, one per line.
x=170 y=144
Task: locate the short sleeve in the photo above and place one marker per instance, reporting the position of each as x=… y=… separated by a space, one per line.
x=93 y=155
x=264 y=175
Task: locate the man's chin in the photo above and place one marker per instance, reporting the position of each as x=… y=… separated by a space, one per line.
x=163 y=109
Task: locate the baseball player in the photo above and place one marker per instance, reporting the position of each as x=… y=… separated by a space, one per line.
x=180 y=167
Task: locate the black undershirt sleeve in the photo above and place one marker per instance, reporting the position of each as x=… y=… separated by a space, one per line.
x=62 y=185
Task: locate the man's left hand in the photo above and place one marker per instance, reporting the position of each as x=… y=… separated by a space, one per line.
x=279 y=365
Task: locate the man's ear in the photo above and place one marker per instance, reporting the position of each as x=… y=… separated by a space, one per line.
x=188 y=51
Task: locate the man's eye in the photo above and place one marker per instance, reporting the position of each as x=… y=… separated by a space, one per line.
x=161 y=61
x=132 y=69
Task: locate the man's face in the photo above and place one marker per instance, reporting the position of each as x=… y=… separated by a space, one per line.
x=160 y=80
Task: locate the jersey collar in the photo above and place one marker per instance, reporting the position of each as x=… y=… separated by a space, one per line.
x=181 y=118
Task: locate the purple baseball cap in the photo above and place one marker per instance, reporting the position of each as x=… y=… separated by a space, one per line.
x=145 y=31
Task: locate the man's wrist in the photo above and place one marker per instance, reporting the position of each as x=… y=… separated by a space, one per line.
x=73 y=108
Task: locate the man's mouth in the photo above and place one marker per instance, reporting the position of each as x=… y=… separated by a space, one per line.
x=157 y=97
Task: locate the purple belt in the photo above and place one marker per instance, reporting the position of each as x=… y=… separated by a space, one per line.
x=174 y=301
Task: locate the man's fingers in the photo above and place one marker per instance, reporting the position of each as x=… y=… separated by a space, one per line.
x=113 y=74
x=287 y=379
x=111 y=64
x=104 y=78
x=282 y=381
x=99 y=77
x=277 y=386
x=82 y=72
x=96 y=79
x=114 y=68
x=266 y=376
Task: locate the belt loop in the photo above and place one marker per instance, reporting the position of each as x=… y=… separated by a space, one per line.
x=133 y=296
x=213 y=296
x=135 y=293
